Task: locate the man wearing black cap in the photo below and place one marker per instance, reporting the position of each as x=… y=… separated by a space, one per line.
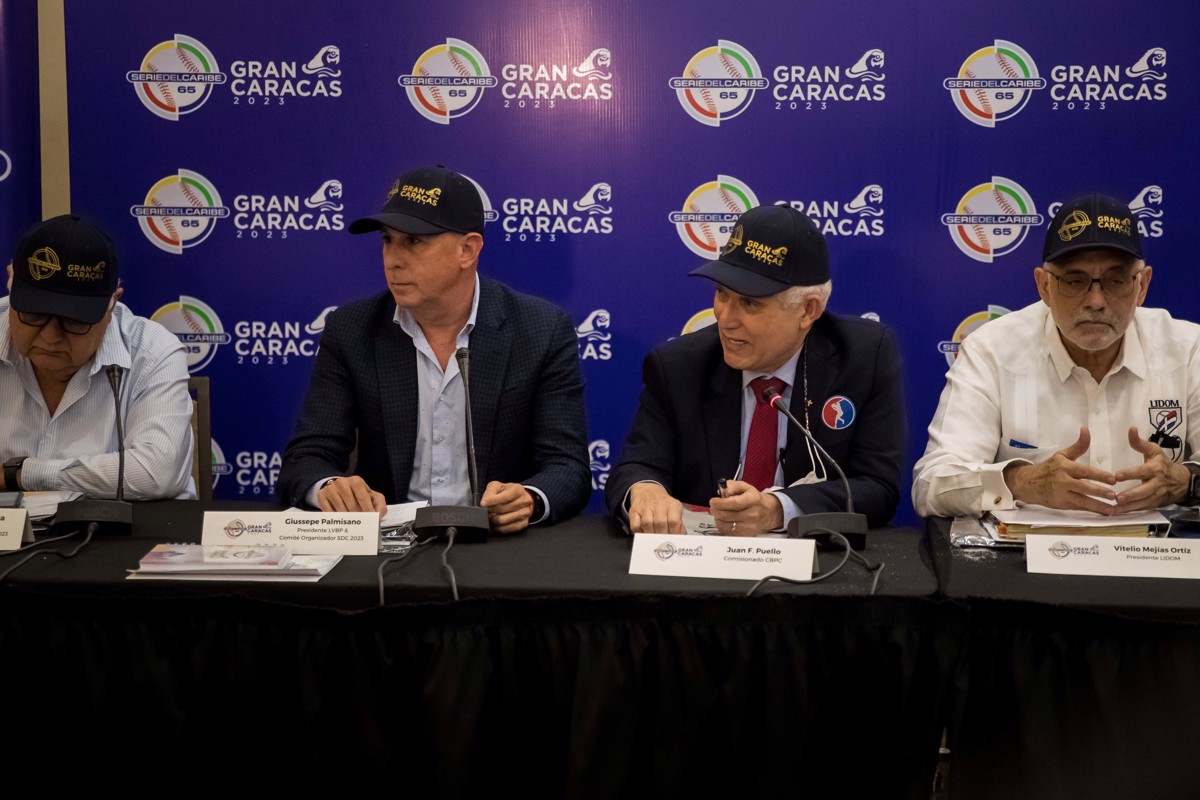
x=387 y=381
x=66 y=345
x=702 y=415
x=1085 y=400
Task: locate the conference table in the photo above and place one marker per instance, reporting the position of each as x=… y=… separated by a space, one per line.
x=556 y=673
x=1070 y=686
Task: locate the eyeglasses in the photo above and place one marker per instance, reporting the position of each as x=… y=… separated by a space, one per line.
x=1113 y=284
x=68 y=325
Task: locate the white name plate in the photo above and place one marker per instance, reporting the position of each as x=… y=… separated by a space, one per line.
x=1119 y=556
x=349 y=534
x=737 y=557
x=14 y=528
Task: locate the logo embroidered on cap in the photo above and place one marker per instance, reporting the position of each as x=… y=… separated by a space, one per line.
x=735 y=241
x=43 y=264
x=1075 y=224
x=768 y=255
x=418 y=195
x=838 y=412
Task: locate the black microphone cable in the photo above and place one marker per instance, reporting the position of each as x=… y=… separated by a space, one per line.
x=450 y=533
x=91 y=530
x=383 y=565
x=849 y=553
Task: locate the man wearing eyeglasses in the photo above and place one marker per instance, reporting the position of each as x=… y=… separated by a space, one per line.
x=62 y=332
x=1085 y=400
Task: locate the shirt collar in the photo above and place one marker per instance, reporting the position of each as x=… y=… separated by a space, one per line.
x=405 y=320
x=786 y=373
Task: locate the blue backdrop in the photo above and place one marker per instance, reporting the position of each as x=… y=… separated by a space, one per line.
x=227 y=145
x=20 y=168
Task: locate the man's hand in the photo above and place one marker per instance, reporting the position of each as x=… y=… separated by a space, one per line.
x=350 y=494
x=745 y=511
x=509 y=506
x=652 y=510
x=1061 y=482
x=1162 y=481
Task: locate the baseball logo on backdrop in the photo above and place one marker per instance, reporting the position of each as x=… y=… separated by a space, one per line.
x=1094 y=86
x=219 y=465
x=276 y=215
x=994 y=83
x=709 y=214
x=542 y=85
x=176 y=77
x=180 y=211
x=594 y=337
x=544 y=219
x=448 y=81
x=5 y=166
x=197 y=326
x=812 y=87
x=967 y=326
x=992 y=219
x=490 y=214
x=860 y=216
x=719 y=83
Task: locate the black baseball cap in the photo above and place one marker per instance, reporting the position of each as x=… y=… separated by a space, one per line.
x=771 y=248
x=1094 y=220
x=428 y=200
x=66 y=266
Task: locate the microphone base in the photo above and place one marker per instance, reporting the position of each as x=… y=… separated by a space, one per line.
x=852 y=526
x=114 y=517
x=470 y=523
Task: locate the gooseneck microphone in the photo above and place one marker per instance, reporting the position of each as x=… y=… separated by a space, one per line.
x=107 y=516
x=464 y=362
x=816 y=526
x=467 y=524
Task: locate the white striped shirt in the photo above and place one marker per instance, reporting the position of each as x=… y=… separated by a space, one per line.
x=75 y=449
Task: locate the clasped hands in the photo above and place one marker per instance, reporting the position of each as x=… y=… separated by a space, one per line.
x=509 y=505
x=743 y=511
x=1062 y=482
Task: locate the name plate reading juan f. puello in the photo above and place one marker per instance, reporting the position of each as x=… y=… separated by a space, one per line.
x=345 y=533
x=1152 y=557
x=736 y=557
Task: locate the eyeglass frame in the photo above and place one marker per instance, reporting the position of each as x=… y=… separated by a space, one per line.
x=65 y=323
x=1100 y=280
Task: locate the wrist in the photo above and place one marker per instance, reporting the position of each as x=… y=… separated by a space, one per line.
x=12 y=474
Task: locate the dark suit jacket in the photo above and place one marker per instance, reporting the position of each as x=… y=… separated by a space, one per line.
x=687 y=430
x=526 y=401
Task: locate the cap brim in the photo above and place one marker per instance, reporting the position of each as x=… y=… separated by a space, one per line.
x=88 y=309
x=739 y=280
x=399 y=222
x=1075 y=248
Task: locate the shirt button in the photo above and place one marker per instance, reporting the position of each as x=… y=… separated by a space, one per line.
x=437 y=439
x=1100 y=459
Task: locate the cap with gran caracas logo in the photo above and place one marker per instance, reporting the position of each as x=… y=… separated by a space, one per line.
x=1094 y=220
x=65 y=266
x=428 y=200
x=771 y=248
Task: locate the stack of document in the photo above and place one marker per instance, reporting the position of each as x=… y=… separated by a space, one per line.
x=1012 y=524
x=231 y=562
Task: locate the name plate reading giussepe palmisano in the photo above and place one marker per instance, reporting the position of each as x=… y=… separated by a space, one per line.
x=345 y=533
x=1150 y=557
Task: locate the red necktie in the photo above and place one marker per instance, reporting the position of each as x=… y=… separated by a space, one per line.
x=762 y=446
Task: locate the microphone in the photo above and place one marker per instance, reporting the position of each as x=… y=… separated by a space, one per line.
x=468 y=523
x=816 y=526
x=109 y=516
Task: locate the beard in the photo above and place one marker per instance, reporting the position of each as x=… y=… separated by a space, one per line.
x=1093 y=331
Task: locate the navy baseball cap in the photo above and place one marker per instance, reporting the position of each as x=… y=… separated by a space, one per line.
x=428 y=200
x=771 y=248
x=1094 y=220
x=65 y=266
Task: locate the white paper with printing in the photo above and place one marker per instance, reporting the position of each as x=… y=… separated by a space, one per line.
x=1116 y=557
x=14 y=528
x=346 y=533
x=737 y=557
